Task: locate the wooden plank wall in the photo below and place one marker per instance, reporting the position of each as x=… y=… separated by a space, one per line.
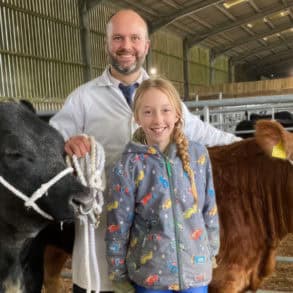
x=244 y=89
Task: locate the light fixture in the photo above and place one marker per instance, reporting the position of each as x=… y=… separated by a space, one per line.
x=229 y=3
x=265 y=38
x=153 y=71
x=249 y=25
x=284 y=13
x=265 y=19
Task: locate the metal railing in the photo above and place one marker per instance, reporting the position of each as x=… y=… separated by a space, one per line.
x=227 y=113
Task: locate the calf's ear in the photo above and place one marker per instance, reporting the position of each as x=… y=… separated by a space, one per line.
x=272 y=138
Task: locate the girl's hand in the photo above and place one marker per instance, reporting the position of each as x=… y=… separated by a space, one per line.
x=123 y=287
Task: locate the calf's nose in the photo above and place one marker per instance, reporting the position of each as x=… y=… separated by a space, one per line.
x=83 y=201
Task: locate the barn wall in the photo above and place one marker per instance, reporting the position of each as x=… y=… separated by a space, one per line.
x=166 y=57
x=245 y=73
x=199 y=70
x=41 y=56
x=98 y=18
x=39 y=50
x=221 y=68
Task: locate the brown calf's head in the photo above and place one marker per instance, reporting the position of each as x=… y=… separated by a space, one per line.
x=274 y=139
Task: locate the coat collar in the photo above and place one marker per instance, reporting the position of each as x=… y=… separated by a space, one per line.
x=107 y=80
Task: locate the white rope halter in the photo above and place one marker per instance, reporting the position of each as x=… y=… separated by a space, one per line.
x=30 y=201
x=90 y=170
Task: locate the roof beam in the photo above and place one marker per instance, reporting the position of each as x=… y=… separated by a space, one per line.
x=253 y=5
x=196 y=38
x=279 y=67
x=286 y=64
x=283 y=61
x=201 y=22
x=290 y=15
x=240 y=58
x=273 y=58
x=243 y=41
x=190 y=9
x=226 y=12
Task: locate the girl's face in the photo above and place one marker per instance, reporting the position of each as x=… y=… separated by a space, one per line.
x=157 y=117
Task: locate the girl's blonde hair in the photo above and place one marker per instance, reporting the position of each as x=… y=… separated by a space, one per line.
x=178 y=136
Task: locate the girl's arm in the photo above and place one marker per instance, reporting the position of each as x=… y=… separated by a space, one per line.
x=210 y=211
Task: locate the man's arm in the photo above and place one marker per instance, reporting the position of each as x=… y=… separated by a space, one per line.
x=204 y=133
x=69 y=122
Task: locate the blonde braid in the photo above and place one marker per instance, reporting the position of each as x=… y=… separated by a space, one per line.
x=182 y=146
x=139 y=136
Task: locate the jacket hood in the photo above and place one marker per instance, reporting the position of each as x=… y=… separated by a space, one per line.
x=137 y=148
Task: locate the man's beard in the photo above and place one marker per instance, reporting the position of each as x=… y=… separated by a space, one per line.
x=126 y=70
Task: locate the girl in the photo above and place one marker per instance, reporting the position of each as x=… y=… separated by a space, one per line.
x=162 y=223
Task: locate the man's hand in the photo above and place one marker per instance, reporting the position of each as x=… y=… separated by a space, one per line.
x=77 y=145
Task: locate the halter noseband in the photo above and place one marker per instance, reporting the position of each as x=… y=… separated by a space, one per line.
x=30 y=201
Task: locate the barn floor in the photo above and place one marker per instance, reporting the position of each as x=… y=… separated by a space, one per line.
x=280 y=281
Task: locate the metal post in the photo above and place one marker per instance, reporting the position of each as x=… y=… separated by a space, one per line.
x=185 y=70
x=221 y=114
x=206 y=114
x=85 y=39
x=212 y=70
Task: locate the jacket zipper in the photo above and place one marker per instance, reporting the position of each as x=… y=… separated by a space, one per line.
x=173 y=200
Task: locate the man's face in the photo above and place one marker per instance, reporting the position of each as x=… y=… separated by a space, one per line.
x=127 y=43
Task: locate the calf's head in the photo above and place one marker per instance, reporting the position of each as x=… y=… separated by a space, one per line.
x=31 y=154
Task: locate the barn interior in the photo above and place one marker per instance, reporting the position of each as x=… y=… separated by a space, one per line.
x=228 y=59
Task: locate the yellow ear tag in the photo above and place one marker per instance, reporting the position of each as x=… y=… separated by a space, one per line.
x=279 y=151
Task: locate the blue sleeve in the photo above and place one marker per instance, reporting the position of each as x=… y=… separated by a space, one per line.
x=120 y=211
x=210 y=211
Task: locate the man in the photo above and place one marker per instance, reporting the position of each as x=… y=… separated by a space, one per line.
x=99 y=107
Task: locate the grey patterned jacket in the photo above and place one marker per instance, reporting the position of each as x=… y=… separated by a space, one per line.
x=155 y=235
